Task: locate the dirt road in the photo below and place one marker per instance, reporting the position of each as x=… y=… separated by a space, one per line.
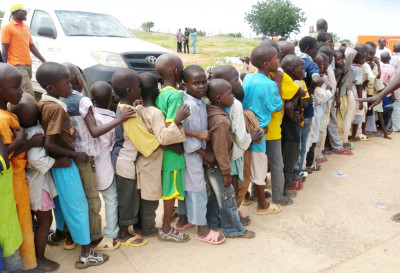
x=334 y=226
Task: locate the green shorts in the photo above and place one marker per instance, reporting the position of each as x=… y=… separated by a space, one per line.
x=172 y=185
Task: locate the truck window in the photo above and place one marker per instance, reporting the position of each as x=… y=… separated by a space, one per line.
x=41 y=19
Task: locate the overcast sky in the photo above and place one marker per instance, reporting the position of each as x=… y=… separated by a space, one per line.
x=347 y=18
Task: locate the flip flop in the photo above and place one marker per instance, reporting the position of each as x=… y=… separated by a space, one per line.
x=246 y=202
x=321 y=160
x=396 y=217
x=272 y=209
x=188 y=225
x=344 y=152
x=107 y=244
x=286 y=202
x=130 y=240
x=298 y=186
x=364 y=137
x=70 y=247
x=211 y=238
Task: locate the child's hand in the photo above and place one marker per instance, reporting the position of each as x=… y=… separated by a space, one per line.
x=82 y=157
x=227 y=180
x=126 y=113
x=337 y=102
x=62 y=162
x=37 y=140
x=257 y=135
x=204 y=135
x=18 y=133
x=181 y=113
x=209 y=158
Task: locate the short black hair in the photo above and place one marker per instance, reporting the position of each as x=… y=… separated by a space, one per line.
x=324 y=36
x=337 y=53
x=49 y=73
x=123 y=79
x=360 y=51
x=270 y=42
x=149 y=85
x=261 y=54
x=327 y=50
x=217 y=87
x=101 y=93
x=323 y=55
x=373 y=44
x=307 y=42
x=190 y=70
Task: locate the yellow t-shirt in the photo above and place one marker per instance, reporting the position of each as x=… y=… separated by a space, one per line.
x=289 y=89
x=138 y=134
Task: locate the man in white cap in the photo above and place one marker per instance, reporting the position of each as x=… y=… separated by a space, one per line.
x=16 y=45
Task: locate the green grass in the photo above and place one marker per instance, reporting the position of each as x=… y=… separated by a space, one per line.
x=211 y=50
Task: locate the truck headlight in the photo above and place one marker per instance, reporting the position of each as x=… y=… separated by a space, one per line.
x=109 y=59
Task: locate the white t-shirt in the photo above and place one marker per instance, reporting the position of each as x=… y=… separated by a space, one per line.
x=380 y=51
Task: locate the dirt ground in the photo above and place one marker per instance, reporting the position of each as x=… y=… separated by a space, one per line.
x=334 y=226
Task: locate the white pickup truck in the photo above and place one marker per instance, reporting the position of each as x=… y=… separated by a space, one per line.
x=97 y=43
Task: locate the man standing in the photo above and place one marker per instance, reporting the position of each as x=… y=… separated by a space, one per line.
x=193 y=35
x=16 y=42
x=382 y=48
x=179 y=36
x=186 y=41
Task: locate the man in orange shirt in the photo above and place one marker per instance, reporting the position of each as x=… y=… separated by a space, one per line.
x=16 y=42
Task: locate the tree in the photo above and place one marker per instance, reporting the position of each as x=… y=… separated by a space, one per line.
x=335 y=37
x=146 y=26
x=279 y=16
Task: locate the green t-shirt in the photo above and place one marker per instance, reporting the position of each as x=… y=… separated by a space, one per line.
x=167 y=101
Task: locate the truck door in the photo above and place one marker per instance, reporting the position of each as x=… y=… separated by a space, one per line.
x=44 y=36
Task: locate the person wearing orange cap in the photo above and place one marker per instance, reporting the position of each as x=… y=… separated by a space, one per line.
x=17 y=44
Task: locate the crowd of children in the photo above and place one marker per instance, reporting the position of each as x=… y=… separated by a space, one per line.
x=212 y=145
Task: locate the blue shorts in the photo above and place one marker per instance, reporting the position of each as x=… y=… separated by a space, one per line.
x=195 y=207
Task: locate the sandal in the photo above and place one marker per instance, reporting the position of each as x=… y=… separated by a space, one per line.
x=93 y=259
x=246 y=202
x=364 y=137
x=211 y=238
x=327 y=152
x=285 y=202
x=298 y=186
x=55 y=237
x=396 y=217
x=134 y=238
x=70 y=247
x=315 y=168
x=343 y=152
x=107 y=244
x=172 y=236
x=321 y=160
x=272 y=209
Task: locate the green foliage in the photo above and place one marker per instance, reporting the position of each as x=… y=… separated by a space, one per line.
x=146 y=26
x=279 y=16
x=1 y=14
x=235 y=35
x=335 y=37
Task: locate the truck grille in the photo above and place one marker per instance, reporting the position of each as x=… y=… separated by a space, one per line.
x=141 y=60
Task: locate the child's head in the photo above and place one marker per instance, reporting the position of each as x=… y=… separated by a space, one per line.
x=220 y=93
x=101 y=93
x=195 y=81
x=27 y=111
x=396 y=47
x=339 y=58
x=287 y=48
x=325 y=62
x=230 y=74
x=382 y=42
x=361 y=55
x=55 y=79
x=10 y=85
x=322 y=25
x=328 y=51
x=270 y=42
x=319 y=60
x=245 y=59
x=76 y=78
x=326 y=38
x=293 y=66
x=372 y=52
x=385 y=57
x=309 y=45
x=265 y=58
x=126 y=84
x=149 y=85
x=170 y=67
x=373 y=44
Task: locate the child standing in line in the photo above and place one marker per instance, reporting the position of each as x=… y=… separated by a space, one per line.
x=10 y=229
x=149 y=168
x=14 y=140
x=60 y=141
x=241 y=138
x=41 y=184
x=105 y=177
x=80 y=109
x=170 y=68
x=129 y=135
x=218 y=173
x=261 y=96
x=195 y=203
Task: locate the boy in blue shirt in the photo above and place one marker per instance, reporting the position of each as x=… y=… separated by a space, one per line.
x=261 y=95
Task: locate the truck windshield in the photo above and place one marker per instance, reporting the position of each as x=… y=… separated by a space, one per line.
x=79 y=23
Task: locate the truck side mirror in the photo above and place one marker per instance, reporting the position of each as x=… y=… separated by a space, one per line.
x=47 y=32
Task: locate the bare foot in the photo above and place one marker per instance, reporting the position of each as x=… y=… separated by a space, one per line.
x=182 y=221
x=387 y=137
x=245 y=220
x=355 y=139
x=47 y=265
x=247 y=235
x=124 y=237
